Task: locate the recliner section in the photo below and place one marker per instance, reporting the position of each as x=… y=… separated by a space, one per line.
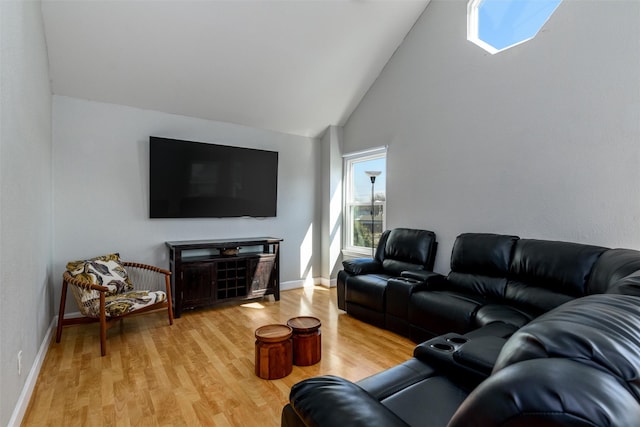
x=362 y=285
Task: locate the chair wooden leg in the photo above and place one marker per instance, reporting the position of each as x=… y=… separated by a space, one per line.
x=169 y=302
x=103 y=326
x=63 y=301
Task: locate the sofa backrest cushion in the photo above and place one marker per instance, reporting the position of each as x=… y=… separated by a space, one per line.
x=601 y=331
x=612 y=266
x=491 y=288
x=537 y=300
x=547 y=393
x=562 y=267
x=480 y=263
x=407 y=249
x=629 y=285
x=482 y=254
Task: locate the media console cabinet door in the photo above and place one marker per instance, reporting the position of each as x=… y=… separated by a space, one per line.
x=260 y=273
x=197 y=284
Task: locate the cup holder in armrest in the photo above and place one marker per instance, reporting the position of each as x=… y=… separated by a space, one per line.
x=457 y=340
x=448 y=353
x=441 y=346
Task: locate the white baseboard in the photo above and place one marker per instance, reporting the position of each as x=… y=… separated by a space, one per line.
x=296 y=284
x=327 y=283
x=292 y=284
x=32 y=378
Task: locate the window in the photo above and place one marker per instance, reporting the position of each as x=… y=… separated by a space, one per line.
x=363 y=226
x=497 y=25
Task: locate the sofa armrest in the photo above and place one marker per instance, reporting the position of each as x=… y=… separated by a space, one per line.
x=334 y=401
x=468 y=361
x=395 y=379
x=358 y=266
x=429 y=278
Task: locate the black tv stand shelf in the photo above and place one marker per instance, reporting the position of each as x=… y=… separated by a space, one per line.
x=208 y=272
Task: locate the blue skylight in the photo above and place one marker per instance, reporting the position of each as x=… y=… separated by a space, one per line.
x=496 y=25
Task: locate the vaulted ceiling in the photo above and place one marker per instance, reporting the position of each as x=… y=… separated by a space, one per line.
x=292 y=66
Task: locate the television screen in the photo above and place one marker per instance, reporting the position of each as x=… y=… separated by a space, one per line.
x=198 y=180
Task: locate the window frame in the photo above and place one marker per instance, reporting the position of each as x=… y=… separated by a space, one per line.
x=349 y=160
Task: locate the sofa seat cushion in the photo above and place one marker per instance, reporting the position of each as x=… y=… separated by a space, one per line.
x=367 y=290
x=442 y=311
x=430 y=402
x=501 y=313
x=494 y=329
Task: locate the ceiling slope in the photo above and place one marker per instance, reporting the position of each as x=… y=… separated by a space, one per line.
x=289 y=66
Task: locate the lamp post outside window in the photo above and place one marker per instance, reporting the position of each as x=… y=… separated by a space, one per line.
x=372 y=176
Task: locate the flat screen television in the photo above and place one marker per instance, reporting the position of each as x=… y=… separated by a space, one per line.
x=199 y=180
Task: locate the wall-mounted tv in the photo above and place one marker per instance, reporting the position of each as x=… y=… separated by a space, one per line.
x=199 y=180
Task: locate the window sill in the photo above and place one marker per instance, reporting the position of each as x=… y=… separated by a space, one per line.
x=352 y=253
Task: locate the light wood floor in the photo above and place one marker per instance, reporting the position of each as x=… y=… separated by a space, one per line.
x=200 y=371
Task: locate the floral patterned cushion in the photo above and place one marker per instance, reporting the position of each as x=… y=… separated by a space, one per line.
x=106 y=270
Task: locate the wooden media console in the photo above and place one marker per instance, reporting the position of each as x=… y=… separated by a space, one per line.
x=209 y=272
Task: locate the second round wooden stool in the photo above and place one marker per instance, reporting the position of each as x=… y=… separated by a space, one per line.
x=307 y=340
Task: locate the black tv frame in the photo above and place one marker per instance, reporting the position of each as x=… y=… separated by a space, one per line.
x=189 y=179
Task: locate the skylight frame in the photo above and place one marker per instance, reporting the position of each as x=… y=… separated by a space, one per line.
x=473 y=25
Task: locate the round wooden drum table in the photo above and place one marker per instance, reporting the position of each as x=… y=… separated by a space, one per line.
x=307 y=340
x=274 y=355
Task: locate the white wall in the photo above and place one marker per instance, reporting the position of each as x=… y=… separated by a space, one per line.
x=542 y=140
x=101 y=200
x=330 y=190
x=26 y=307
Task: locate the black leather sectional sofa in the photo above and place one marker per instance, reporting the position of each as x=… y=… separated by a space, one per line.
x=521 y=332
x=493 y=279
x=577 y=365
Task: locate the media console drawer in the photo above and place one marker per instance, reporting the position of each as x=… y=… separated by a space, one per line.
x=207 y=272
